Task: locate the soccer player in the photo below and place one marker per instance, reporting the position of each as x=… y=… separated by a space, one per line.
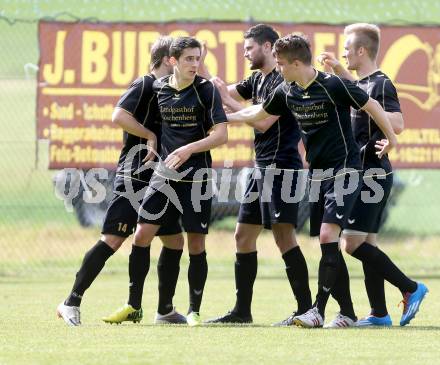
x=137 y=113
x=321 y=104
x=193 y=122
x=360 y=233
x=276 y=149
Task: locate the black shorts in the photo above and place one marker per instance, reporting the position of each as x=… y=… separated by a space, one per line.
x=330 y=205
x=265 y=203
x=370 y=204
x=121 y=216
x=168 y=201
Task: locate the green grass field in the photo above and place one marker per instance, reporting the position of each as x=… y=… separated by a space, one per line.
x=30 y=333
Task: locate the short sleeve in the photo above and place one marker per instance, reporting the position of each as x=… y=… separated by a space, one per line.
x=347 y=93
x=140 y=101
x=213 y=107
x=388 y=97
x=131 y=98
x=245 y=87
x=275 y=103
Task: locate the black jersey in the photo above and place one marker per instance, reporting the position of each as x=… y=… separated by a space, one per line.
x=279 y=144
x=366 y=131
x=322 y=109
x=187 y=116
x=140 y=101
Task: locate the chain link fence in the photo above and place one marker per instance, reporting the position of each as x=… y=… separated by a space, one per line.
x=38 y=234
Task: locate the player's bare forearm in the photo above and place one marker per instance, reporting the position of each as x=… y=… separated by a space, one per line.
x=203 y=70
x=217 y=137
x=341 y=71
x=253 y=113
x=381 y=119
x=234 y=94
x=263 y=125
x=129 y=124
x=232 y=104
x=396 y=120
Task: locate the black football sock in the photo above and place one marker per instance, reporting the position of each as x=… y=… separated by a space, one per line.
x=341 y=291
x=197 y=274
x=298 y=275
x=375 y=286
x=168 y=267
x=138 y=267
x=327 y=274
x=246 y=266
x=380 y=262
x=92 y=264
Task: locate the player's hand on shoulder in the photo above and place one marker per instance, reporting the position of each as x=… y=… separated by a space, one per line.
x=328 y=60
x=221 y=87
x=179 y=156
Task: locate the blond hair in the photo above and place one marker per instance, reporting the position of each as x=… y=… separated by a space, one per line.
x=367 y=36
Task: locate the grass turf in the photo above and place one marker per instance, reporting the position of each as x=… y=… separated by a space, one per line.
x=30 y=333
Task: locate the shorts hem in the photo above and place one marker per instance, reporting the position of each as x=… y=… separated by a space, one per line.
x=116 y=233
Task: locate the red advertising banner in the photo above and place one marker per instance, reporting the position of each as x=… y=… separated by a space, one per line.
x=85 y=67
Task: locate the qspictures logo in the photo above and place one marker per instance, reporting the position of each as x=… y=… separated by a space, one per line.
x=295 y=185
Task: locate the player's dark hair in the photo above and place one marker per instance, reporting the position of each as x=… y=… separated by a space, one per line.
x=294 y=47
x=262 y=33
x=159 y=50
x=181 y=43
x=367 y=36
